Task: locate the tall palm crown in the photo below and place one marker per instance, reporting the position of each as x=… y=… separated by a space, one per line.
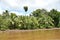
x=25 y=8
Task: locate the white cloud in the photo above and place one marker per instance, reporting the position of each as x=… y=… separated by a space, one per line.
x=43 y=3
x=1 y=11
x=16 y=12
x=32 y=4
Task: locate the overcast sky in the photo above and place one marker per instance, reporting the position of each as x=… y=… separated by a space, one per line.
x=17 y=5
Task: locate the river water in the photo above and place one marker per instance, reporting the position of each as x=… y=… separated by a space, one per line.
x=30 y=35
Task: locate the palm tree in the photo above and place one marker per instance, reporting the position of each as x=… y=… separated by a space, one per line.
x=6 y=14
x=25 y=9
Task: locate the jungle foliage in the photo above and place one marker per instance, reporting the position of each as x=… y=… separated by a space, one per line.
x=40 y=18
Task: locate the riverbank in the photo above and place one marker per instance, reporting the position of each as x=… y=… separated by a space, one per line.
x=37 y=34
x=32 y=30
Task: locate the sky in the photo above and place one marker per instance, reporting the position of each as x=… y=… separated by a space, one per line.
x=16 y=6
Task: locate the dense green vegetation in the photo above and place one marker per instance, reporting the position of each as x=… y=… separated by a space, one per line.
x=40 y=18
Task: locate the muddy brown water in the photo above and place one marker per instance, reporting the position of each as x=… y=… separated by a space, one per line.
x=30 y=35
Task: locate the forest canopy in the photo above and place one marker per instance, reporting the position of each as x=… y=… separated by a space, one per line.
x=38 y=19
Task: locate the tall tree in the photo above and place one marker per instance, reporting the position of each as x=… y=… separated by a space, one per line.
x=36 y=13
x=5 y=14
x=25 y=8
x=55 y=15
